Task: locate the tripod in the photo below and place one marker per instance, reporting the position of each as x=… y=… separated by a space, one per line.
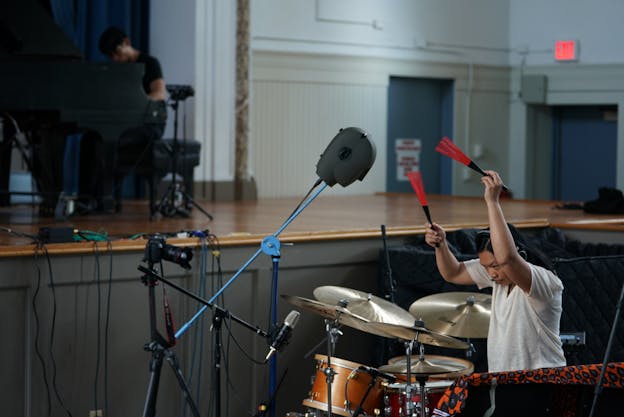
x=176 y=201
x=160 y=350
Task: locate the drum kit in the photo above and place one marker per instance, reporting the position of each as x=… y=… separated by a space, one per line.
x=408 y=386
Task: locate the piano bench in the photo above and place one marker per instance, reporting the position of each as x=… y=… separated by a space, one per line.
x=155 y=163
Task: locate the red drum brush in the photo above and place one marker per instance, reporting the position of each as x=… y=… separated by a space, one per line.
x=448 y=148
x=417 y=184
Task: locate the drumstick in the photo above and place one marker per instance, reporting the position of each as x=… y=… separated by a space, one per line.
x=417 y=184
x=448 y=148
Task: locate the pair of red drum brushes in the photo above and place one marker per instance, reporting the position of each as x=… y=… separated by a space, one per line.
x=448 y=148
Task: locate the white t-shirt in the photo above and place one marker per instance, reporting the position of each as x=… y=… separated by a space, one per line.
x=524 y=327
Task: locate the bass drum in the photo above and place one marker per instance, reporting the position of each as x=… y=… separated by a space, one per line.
x=347 y=389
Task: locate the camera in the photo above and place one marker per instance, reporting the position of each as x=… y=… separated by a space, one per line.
x=180 y=92
x=157 y=249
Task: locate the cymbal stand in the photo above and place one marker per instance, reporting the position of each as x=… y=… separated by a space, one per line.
x=421 y=378
x=332 y=338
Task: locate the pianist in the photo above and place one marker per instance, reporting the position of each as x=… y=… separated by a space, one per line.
x=133 y=144
x=526 y=295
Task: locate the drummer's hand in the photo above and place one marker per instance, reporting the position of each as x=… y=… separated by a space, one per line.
x=434 y=235
x=493 y=186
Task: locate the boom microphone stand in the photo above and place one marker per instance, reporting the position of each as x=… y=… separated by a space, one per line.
x=175 y=198
x=219 y=315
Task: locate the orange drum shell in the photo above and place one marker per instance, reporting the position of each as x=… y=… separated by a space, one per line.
x=356 y=388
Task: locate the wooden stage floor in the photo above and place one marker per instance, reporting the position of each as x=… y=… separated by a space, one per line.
x=326 y=218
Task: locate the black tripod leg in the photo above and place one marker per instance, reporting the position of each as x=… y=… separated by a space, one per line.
x=173 y=361
x=197 y=206
x=149 y=409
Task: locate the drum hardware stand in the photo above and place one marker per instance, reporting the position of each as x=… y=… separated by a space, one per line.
x=420 y=378
x=219 y=315
x=170 y=203
x=332 y=338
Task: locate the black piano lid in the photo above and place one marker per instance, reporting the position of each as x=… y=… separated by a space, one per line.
x=27 y=31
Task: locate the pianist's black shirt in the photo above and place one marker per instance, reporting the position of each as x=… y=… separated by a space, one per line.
x=152 y=70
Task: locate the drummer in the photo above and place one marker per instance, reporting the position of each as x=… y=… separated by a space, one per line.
x=526 y=294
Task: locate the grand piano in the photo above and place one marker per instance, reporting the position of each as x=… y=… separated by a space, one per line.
x=51 y=92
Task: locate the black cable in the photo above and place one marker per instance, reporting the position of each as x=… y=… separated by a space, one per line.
x=37 y=332
x=109 y=245
x=98 y=320
x=20 y=234
x=52 y=331
x=316 y=184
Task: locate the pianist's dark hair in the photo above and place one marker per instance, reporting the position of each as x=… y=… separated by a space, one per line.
x=110 y=39
x=526 y=249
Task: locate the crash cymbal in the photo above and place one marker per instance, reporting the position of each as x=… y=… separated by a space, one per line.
x=457 y=314
x=419 y=367
x=416 y=333
x=365 y=305
x=398 y=365
x=341 y=314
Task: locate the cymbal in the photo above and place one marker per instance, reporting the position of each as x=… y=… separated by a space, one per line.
x=341 y=314
x=457 y=314
x=419 y=367
x=419 y=334
x=398 y=365
x=364 y=305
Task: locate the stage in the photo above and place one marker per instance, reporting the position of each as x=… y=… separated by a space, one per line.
x=326 y=218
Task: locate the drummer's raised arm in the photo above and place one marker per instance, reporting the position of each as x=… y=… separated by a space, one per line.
x=450 y=268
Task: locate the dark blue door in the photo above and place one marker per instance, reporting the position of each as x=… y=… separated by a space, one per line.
x=419 y=109
x=585 y=144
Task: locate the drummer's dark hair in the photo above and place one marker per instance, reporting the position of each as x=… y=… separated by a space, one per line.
x=530 y=253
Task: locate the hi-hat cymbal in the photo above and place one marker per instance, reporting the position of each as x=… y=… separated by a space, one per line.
x=418 y=367
x=460 y=367
x=364 y=305
x=431 y=365
x=415 y=333
x=341 y=314
x=457 y=314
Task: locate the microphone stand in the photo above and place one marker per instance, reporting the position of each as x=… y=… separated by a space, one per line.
x=169 y=205
x=219 y=315
x=598 y=389
x=271 y=246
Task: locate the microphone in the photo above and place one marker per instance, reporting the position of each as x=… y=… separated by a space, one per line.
x=282 y=334
x=348 y=157
x=377 y=373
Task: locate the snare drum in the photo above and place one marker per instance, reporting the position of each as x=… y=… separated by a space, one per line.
x=348 y=388
x=395 y=398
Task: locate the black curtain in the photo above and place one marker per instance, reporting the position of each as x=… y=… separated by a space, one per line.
x=84 y=20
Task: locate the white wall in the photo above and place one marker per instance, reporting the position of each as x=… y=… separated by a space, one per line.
x=404 y=29
x=596 y=24
x=195 y=42
x=477 y=34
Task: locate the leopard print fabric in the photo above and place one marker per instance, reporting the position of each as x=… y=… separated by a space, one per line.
x=454 y=398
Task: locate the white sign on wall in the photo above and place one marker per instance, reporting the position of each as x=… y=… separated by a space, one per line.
x=408 y=156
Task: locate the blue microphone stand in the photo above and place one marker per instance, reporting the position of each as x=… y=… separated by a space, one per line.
x=270 y=245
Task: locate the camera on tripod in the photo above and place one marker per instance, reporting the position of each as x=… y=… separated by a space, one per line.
x=157 y=249
x=180 y=92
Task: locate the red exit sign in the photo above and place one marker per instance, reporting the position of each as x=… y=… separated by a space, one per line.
x=566 y=50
